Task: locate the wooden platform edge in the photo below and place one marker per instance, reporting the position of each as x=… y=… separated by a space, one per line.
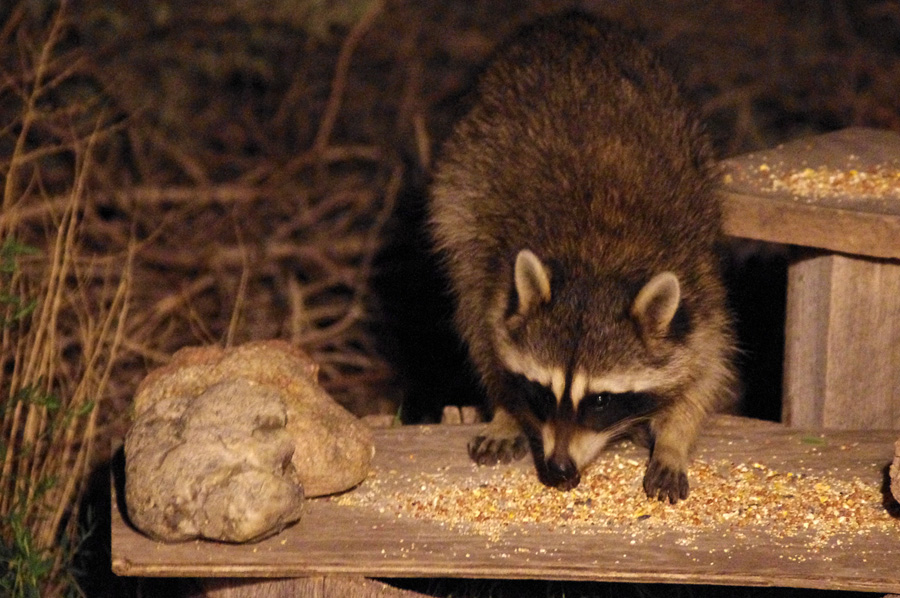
x=288 y=555
x=794 y=223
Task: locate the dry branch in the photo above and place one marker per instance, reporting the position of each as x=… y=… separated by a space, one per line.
x=339 y=83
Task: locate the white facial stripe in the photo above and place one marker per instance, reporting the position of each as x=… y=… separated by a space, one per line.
x=637 y=381
x=577 y=390
x=548 y=436
x=585 y=445
x=525 y=365
x=552 y=377
x=558 y=384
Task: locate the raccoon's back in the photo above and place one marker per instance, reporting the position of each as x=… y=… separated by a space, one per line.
x=578 y=144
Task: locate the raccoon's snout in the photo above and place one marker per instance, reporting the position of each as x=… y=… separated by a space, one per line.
x=562 y=473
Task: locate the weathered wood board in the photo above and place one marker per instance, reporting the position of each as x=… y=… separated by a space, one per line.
x=842 y=343
x=758 y=205
x=334 y=539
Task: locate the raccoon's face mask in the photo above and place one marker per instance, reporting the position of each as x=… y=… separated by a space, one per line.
x=577 y=382
x=567 y=432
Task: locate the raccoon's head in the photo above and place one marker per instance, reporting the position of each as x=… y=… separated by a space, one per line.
x=586 y=358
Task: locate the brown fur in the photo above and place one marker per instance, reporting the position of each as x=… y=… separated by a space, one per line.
x=580 y=152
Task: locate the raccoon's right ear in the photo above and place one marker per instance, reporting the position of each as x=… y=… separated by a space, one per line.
x=656 y=304
x=532 y=282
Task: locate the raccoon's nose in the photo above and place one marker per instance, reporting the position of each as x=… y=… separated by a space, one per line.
x=562 y=473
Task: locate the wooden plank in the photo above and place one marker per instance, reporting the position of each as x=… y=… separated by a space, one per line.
x=861 y=223
x=335 y=539
x=842 y=343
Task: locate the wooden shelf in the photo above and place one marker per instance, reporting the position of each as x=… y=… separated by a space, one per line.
x=335 y=540
x=861 y=224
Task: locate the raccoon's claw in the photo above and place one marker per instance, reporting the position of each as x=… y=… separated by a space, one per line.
x=664 y=483
x=488 y=450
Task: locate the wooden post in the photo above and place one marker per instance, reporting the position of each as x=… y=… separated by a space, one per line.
x=842 y=343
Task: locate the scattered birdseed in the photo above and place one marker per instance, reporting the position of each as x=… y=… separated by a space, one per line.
x=854 y=181
x=875 y=182
x=725 y=497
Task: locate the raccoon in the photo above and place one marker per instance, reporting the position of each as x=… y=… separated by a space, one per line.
x=574 y=209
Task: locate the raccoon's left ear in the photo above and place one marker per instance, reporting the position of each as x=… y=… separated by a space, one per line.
x=532 y=282
x=656 y=304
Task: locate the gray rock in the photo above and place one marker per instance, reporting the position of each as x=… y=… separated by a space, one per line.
x=196 y=466
x=334 y=448
x=225 y=443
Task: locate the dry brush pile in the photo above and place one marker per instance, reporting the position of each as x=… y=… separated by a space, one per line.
x=216 y=172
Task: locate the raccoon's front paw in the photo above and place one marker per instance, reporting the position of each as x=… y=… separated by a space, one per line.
x=665 y=483
x=488 y=450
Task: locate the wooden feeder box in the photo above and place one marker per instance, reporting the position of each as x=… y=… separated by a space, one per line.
x=842 y=379
x=842 y=329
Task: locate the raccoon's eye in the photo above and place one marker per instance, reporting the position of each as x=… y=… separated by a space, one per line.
x=603 y=410
x=542 y=400
x=539 y=398
x=595 y=401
